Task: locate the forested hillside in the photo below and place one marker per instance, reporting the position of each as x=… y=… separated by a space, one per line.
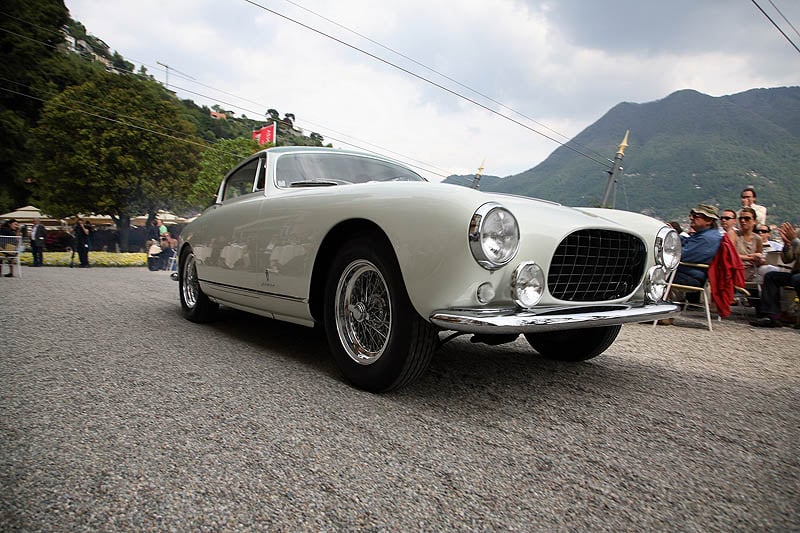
x=47 y=57
x=684 y=149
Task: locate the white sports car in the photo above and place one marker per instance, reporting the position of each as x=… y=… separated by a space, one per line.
x=386 y=260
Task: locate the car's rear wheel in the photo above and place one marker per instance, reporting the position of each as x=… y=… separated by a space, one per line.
x=196 y=306
x=573 y=345
x=377 y=339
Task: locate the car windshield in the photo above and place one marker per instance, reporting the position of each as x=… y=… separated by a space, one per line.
x=325 y=170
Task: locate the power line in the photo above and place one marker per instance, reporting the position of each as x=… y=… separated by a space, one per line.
x=189 y=78
x=784 y=17
x=774 y=24
x=416 y=163
x=406 y=158
x=445 y=76
x=422 y=78
x=109 y=119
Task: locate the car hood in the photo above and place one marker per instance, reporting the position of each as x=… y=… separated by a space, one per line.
x=545 y=217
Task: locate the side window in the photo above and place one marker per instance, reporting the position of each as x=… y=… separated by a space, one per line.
x=241 y=181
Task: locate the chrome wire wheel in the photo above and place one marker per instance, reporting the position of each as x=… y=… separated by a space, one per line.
x=190 y=286
x=363 y=312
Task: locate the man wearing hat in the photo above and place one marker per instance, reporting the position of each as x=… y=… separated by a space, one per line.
x=700 y=247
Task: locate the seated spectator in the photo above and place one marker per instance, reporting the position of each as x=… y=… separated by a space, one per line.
x=773 y=282
x=728 y=224
x=10 y=228
x=167 y=250
x=749 y=200
x=748 y=244
x=767 y=244
x=674 y=224
x=700 y=247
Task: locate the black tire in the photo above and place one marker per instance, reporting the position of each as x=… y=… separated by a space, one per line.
x=195 y=305
x=376 y=337
x=573 y=345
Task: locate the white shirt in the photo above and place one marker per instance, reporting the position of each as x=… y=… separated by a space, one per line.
x=761 y=213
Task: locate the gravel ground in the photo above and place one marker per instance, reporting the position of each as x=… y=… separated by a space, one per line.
x=117 y=414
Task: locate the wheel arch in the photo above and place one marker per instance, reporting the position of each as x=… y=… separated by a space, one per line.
x=331 y=244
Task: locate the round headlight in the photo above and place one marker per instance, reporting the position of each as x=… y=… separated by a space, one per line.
x=493 y=236
x=668 y=248
x=527 y=284
x=656 y=284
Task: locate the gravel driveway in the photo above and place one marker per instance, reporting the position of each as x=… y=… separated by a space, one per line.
x=117 y=414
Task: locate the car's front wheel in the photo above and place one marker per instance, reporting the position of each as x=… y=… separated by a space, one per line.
x=573 y=345
x=196 y=306
x=377 y=338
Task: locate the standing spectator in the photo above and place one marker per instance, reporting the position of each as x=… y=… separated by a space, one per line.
x=748 y=244
x=749 y=200
x=9 y=229
x=728 y=224
x=37 y=242
x=82 y=232
x=770 y=306
x=700 y=247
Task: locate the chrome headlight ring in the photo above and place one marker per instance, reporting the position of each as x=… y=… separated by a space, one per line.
x=655 y=285
x=493 y=236
x=527 y=284
x=667 y=248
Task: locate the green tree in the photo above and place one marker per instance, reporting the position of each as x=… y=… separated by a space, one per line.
x=33 y=66
x=215 y=163
x=141 y=160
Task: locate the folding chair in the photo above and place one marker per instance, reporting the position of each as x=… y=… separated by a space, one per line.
x=704 y=292
x=10 y=250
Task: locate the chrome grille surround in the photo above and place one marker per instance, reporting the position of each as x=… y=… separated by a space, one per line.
x=595 y=265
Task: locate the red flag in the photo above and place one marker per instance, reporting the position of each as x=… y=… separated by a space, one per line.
x=265 y=135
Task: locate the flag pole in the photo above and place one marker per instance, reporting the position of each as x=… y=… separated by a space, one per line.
x=615 y=168
x=477 y=179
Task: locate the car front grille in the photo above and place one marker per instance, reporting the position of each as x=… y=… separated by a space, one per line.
x=596 y=265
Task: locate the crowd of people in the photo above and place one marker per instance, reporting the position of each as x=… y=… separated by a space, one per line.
x=750 y=236
x=161 y=244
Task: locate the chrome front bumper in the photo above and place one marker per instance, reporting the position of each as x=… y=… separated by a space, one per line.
x=514 y=320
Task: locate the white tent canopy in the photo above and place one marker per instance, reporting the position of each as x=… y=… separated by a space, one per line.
x=165 y=216
x=26 y=215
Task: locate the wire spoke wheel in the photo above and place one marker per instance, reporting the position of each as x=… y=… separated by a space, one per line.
x=190 y=286
x=363 y=312
x=195 y=305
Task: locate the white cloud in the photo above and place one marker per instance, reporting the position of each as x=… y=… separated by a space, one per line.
x=562 y=63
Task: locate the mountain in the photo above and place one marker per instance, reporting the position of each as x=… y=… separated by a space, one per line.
x=684 y=149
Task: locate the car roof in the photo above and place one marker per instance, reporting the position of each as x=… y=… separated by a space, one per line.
x=324 y=149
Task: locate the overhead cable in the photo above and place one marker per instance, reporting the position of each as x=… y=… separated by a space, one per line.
x=427 y=80
x=445 y=76
x=773 y=23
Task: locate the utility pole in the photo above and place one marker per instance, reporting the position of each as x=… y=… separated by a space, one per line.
x=477 y=179
x=615 y=168
x=167 y=67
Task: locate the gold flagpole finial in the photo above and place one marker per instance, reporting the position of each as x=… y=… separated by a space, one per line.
x=623 y=144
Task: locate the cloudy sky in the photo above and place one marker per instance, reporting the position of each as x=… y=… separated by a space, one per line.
x=555 y=66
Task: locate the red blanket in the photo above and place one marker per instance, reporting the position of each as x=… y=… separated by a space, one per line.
x=725 y=272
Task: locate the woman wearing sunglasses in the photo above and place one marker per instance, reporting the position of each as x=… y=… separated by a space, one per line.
x=748 y=244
